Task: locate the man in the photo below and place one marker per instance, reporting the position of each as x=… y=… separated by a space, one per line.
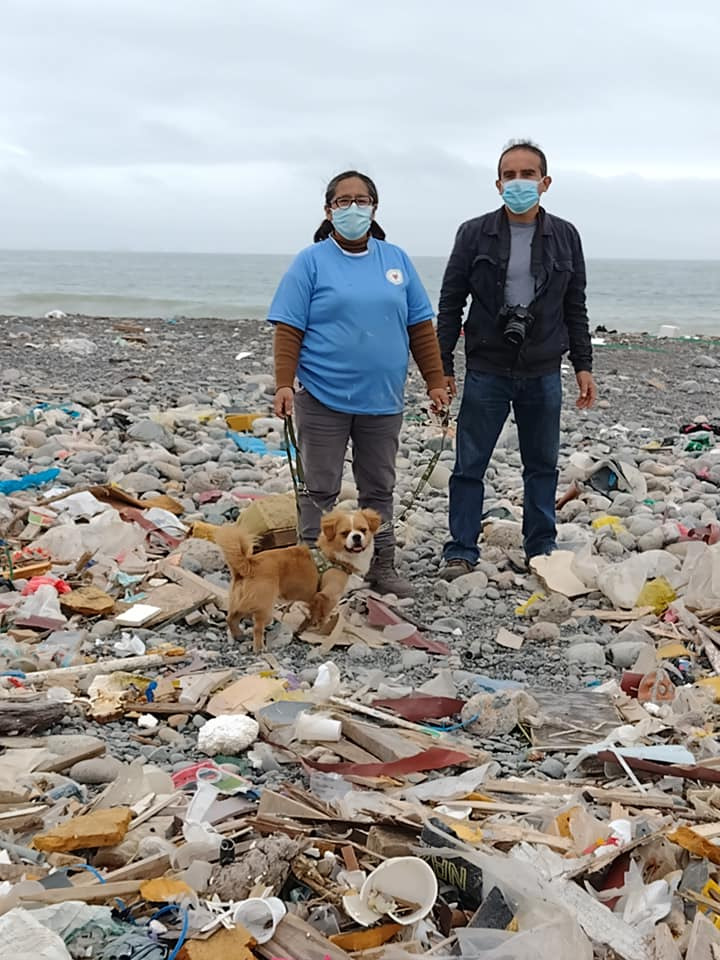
x=525 y=272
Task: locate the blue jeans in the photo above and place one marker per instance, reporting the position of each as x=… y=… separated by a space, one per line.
x=486 y=401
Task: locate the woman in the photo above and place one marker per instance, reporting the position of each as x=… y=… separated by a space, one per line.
x=347 y=314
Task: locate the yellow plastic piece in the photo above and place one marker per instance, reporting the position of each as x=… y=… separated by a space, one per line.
x=242 y=421
x=713 y=683
x=614 y=523
x=522 y=610
x=711 y=891
x=657 y=594
x=672 y=650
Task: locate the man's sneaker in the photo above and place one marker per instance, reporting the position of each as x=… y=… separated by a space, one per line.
x=454 y=569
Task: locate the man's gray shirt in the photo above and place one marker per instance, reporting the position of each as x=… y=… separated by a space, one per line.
x=519 y=282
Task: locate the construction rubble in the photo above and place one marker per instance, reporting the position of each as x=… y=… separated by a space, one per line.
x=166 y=794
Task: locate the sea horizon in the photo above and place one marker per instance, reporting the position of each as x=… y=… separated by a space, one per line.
x=629 y=295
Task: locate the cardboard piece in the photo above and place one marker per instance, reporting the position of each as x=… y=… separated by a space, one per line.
x=507 y=639
x=88 y=601
x=235 y=943
x=164 y=890
x=555 y=571
x=104 y=828
x=118 y=498
x=246 y=695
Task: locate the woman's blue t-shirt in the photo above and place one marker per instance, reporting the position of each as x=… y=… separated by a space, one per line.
x=354 y=311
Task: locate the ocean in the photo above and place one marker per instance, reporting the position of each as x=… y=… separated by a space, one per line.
x=626 y=295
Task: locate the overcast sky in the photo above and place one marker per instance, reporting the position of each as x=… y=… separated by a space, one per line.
x=214 y=125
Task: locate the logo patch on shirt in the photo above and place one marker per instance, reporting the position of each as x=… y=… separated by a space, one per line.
x=395 y=276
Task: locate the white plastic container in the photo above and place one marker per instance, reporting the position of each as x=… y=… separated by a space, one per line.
x=316 y=726
x=260 y=916
x=407 y=878
x=667 y=330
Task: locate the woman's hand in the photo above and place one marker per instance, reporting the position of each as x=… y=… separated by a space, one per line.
x=439 y=398
x=451 y=386
x=283 y=404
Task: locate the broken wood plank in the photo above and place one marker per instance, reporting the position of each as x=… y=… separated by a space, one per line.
x=180 y=576
x=299 y=940
x=386 y=745
x=17 y=717
x=615 y=616
x=126 y=664
x=87 y=892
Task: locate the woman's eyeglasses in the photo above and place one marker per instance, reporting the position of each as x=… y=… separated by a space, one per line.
x=344 y=202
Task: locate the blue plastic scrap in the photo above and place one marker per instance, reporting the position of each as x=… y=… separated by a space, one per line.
x=250 y=444
x=29 y=481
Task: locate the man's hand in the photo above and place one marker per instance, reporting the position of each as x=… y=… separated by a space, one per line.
x=451 y=386
x=283 y=404
x=439 y=398
x=587 y=388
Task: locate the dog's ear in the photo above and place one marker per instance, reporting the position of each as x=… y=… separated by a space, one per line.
x=373 y=518
x=328 y=525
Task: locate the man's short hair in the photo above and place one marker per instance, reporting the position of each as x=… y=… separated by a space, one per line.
x=524 y=145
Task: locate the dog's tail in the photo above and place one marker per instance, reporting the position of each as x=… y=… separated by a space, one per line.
x=237 y=547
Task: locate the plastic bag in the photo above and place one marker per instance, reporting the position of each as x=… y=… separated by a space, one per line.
x=25 y=938
x=640 y=904
x=622 y=582
x=106 y=535
x=703 y=570
x=548 y=933
x=327 y=682
x=43 y=603
x=588 y=567
x=62 y=647
x=79 y=346
x=657 y=594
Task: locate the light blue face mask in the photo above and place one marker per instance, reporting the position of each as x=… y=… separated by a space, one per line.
x=353 y=222
x=519 y=196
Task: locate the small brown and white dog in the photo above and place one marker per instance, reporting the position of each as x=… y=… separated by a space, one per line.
x=345 y=544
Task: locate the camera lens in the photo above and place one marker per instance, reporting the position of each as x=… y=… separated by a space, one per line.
x=515 y=332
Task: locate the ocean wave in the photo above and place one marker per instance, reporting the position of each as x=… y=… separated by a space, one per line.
x=116 y=305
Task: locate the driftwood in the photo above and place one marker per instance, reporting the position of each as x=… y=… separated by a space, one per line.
x=29 y=717
x=101 y=666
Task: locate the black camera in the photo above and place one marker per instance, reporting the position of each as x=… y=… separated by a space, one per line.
x=517 y=321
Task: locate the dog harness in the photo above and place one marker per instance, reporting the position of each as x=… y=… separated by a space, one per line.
x=323 y=564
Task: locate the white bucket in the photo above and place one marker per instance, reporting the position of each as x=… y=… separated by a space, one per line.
x=260 y=916
x=316 y=726
x=667 y=330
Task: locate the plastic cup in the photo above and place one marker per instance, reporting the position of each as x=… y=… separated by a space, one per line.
x=316 y=726
x=406 y=878
x=260 y=916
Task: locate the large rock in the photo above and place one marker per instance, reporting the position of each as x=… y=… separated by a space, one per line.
x=147 y=431
x=140 y=483
x=586 y=654
x=470 y=584
x=202 y=556
x=95 y=772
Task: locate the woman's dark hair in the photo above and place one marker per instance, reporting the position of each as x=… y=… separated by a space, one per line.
x=326 y=227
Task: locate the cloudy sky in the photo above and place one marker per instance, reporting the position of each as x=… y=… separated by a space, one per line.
x=213 y=126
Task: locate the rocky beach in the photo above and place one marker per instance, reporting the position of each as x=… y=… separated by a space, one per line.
x=148 y=406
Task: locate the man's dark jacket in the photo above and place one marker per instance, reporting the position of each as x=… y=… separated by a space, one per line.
x=478 y=265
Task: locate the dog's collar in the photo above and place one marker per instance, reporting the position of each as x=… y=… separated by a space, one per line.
x=323 y=563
